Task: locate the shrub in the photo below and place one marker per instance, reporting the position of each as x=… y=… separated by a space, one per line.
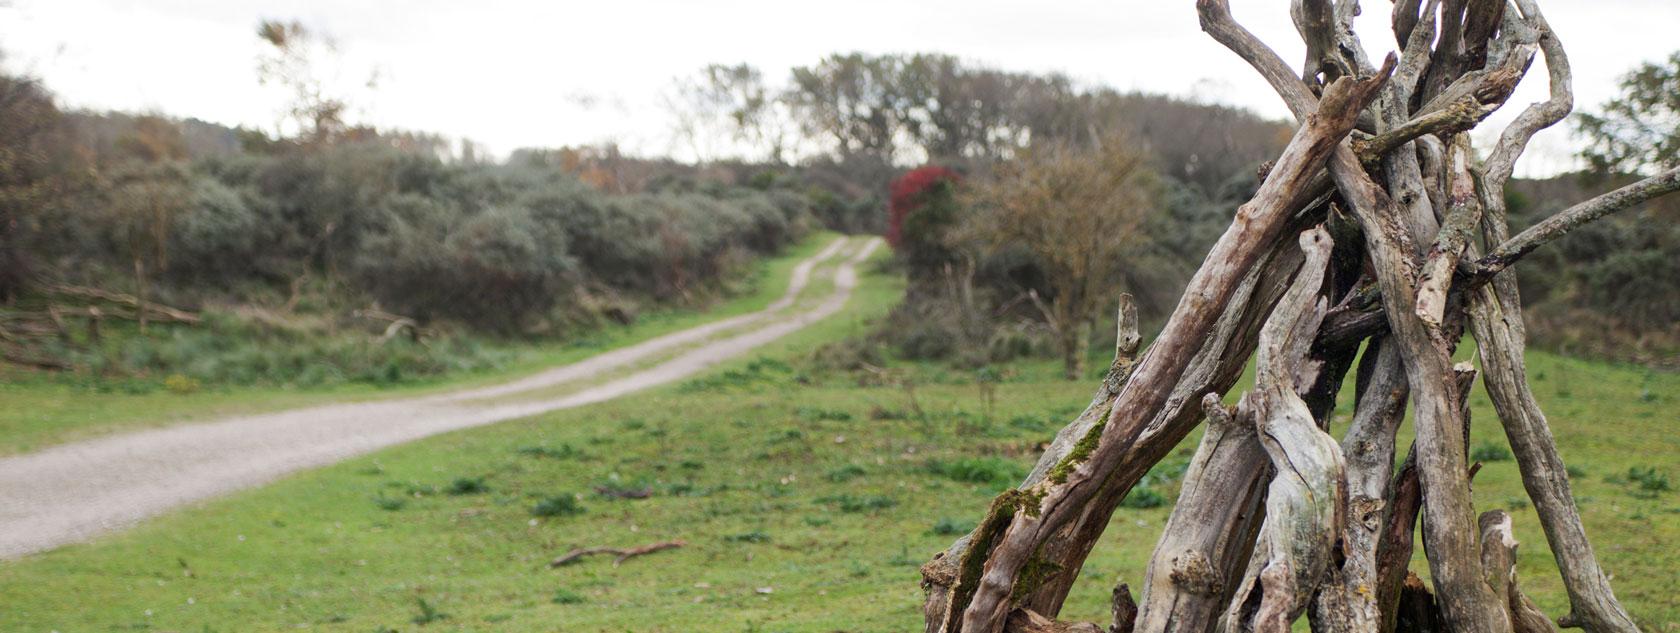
x=467 y=486
x=179 y=384
x=851 y=504
x=216 y=234
x=912 y=192
x=846 y=473
x=565 y=451
x=980 y=470
x=558 y=506
x=951 y=527
x=428 y=613
x=754 y=536
x=1490 y=452
x=1648 y=479
x=496 y=269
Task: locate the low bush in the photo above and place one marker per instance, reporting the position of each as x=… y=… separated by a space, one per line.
x=951 y=527
x=467 y=486
x=980 y=470
x=1490 y=452
x=557 y=506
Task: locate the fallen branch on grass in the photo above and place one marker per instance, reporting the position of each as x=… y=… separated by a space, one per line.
x=161 y=312
x=623 y=554
x=397 y=325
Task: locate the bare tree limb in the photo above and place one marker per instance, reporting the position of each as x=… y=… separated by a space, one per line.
x=1569 y=219
x=621 y=554
x=1503 y=158
x=1499 y=564
x=1349 y=600
x=1464 y=212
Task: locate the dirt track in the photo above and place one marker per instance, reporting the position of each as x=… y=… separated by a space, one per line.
x=73 y=492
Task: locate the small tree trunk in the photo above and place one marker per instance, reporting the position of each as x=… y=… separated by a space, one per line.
x=140 y=287
x=1075 y=344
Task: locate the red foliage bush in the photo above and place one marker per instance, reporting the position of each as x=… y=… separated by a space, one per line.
x=906 y=196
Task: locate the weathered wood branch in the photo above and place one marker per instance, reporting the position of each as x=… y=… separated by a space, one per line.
x=1206 y=543
x=1502 y=159
x=1452 y=119
x=1564 y=221
x=1464 y=213
x=1499 y=563
x=1496 y=321
x=1500 y=346
x=141 y=306
x=1305 y=497
x=1394 y=547
x=1349 y=600
x=1215 y=367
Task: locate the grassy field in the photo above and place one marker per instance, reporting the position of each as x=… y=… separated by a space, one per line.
x=46 y=409
x=807 y=501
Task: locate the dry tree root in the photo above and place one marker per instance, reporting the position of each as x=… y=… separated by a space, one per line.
x=620 y=553
x=1411 y=206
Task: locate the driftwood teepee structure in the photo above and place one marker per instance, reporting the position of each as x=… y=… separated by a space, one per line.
x=1379 y=227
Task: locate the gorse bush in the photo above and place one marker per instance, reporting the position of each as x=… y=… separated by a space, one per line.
x=296 y=241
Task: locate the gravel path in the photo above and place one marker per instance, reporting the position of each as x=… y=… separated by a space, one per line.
x=73 y=492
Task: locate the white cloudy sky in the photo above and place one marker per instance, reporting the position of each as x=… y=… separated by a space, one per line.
x=513 y=73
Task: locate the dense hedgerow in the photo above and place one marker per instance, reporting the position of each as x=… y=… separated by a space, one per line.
x=492 y=247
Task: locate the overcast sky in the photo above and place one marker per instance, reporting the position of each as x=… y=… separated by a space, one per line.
x=515 y=73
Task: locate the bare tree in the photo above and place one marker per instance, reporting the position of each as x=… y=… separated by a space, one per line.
x=304 y=62
x=1076 y=210
x=1285 y=520
x=731 y=103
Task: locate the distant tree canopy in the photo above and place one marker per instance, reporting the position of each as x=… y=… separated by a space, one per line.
x=933 y=108
x=315 y=112
x=1639 y=130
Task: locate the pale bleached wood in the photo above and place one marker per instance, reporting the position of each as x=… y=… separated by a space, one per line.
x=1496 y=321
x=1464 y=212
x=1348 y=601
x=1304 y=500
x=1215 y=368
x=1499 y=563
x=1207 y=540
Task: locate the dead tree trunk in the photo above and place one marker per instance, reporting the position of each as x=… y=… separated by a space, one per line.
x=1277 y=518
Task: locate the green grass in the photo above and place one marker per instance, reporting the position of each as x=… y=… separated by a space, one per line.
x=803 y=510
x=45 y=409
